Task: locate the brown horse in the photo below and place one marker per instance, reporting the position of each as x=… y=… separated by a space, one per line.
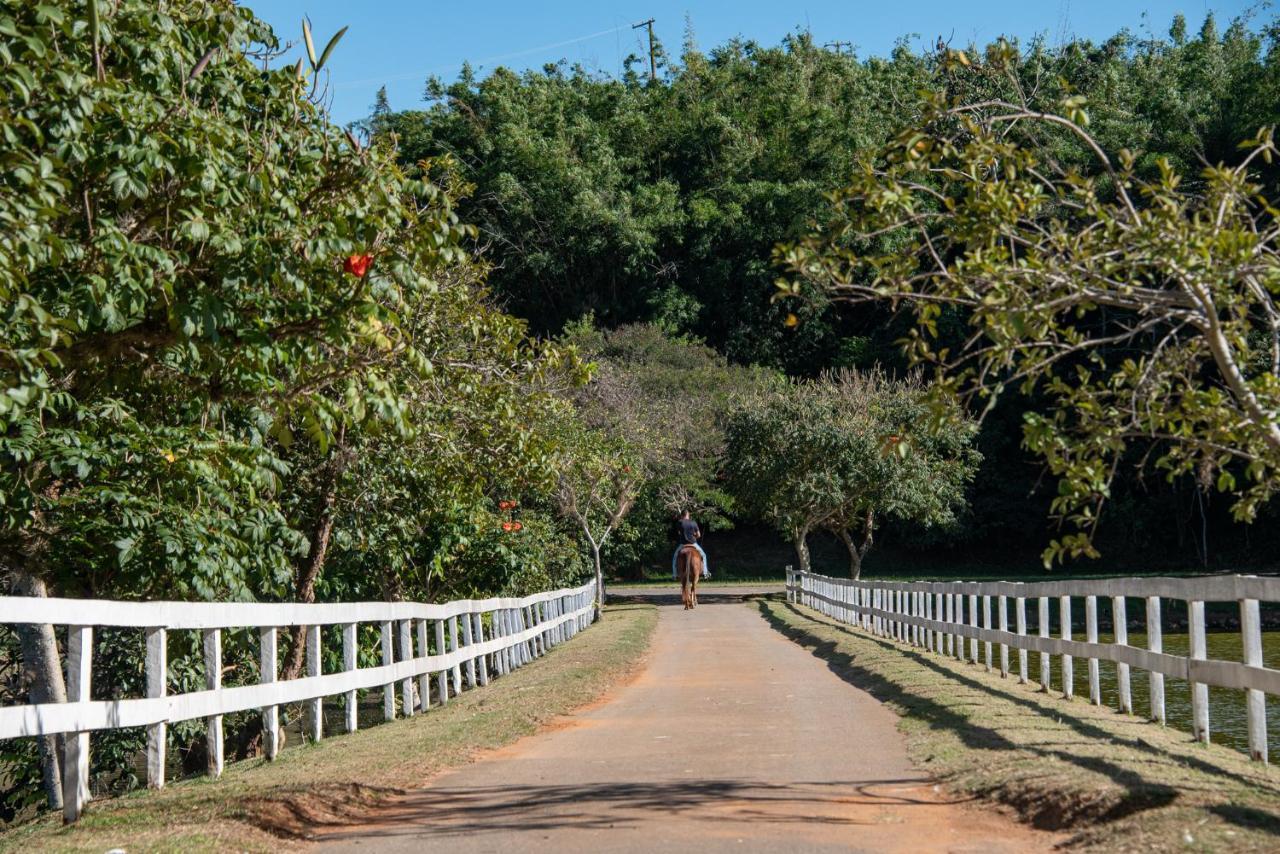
x=689 y=570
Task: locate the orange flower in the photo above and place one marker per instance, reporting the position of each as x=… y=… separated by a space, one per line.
x=507 y=526
x=516 y=526
x=357 y=265
x=791 y=320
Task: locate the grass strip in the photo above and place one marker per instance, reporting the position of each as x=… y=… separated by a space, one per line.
x=1111 y=781
x=266 y=806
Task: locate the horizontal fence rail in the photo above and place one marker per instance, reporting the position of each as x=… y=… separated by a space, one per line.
x=518 y=630
x=940 y=616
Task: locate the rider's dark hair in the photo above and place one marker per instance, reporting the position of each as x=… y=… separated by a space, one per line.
x=684 y=513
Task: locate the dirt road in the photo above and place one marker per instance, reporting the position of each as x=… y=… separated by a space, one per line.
x=731 y=739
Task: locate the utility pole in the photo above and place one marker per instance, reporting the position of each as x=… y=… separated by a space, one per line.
x=653 y=63
x=838 y=44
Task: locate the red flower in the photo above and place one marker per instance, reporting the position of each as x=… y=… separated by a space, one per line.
x=516 y=526
x=506 y=505
x=357 y=265
x=507 y=526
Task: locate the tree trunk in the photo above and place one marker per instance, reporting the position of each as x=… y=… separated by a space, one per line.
x=42 y=671
x=304 y=585
x=856 y=553
x=855 y=557
x=800 y=539
x=595 y=550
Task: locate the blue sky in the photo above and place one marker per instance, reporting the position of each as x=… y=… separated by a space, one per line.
x=400 y=42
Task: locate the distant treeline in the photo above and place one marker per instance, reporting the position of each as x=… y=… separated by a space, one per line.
x=662 y=201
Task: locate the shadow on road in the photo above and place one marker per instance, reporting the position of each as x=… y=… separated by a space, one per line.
x=1141 y=791
x=443 y=812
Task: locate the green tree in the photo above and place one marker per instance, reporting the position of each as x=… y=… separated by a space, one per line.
x=843 y=452
x=1142 y=309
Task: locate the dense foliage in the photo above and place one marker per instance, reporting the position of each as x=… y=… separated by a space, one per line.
x=663 y=201
x=844 y=452
x=242 y=355
x=1143 y=309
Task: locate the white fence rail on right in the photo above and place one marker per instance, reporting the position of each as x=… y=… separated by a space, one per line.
x=940 y=616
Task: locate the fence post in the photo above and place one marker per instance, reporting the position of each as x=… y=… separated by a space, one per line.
x=315 y=708
x=350 y=662
x=1042 y=604
x=1020 y=621
x=442 y=677
x=1255 y=700
x=75 y=754
x=986 y=624
x=453 y=647
x=388 y=658
x=481 y=662
x=948 y=600
x=467 y=640
x=1002 y=602
x=1199 y=690
x=424 y=678
x=973 y=624
x=1091 y=635
x=1068 y=668
x=268 y=664
x=212 y=642
x=1155 y=643
x=406 y=654
x=1120 y=627
x=157 y=667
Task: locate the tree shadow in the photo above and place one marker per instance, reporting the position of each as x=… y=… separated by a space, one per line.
x=1139 y=792
x=450 y=812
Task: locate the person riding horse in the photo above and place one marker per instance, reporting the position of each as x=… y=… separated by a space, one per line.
x=688 y=534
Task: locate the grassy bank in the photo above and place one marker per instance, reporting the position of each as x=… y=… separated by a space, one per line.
x=261 y=806
x=1113 y=782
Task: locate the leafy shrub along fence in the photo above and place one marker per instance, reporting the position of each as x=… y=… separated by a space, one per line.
x=939 y=616
x=481 y=638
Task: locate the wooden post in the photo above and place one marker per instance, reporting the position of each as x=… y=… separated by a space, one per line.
x=1091 y=635
x=406 y=654
x=157 y=666
x=1002 y=602
x=948 y=609
x=482 y=668
x=213 y=681
x=350 y=663
x=424 y=678
x=453 y=647
x=388 y=658
x=1199 y=690
x=1155 y=643
x=268 y=672
x=1255 y=701
x=973 y=624
x=467 y=642
x=986 y=624
x=442 y=678
x=1120 y=626
x=1043 y=618
x=1020 y=622
x=75 y=753
x=315 y=707
x=1068 y=669
x=928 y=615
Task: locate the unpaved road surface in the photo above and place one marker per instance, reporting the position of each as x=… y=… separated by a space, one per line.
x=731 y=739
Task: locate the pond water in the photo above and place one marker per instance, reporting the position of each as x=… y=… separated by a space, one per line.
x=1228 y=723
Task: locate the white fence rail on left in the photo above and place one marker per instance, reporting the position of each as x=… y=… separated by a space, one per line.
x=478 y=638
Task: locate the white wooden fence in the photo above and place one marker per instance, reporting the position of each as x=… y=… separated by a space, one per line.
x=939 y=616
x=520 y=629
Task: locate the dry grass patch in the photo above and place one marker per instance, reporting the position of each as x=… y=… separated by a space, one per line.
x=264 y=806
x=1113 y=781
